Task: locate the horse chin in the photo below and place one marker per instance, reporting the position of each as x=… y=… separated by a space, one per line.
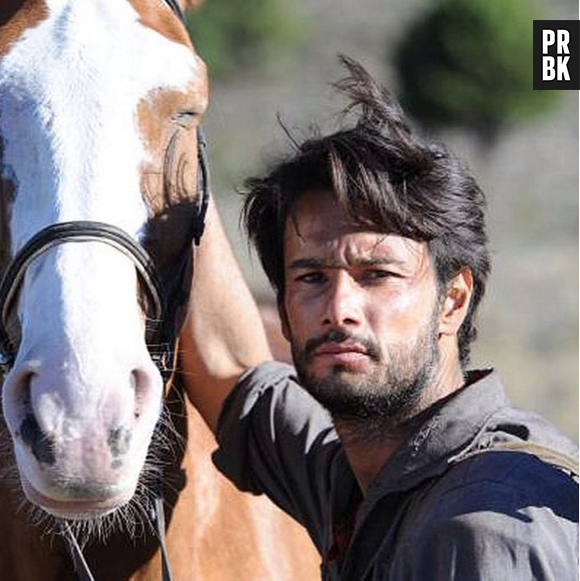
x=94 y=506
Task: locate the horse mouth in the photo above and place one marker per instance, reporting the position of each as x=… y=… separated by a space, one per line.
x=81 y=503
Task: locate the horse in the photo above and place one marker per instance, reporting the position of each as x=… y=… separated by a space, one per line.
x=106 y=468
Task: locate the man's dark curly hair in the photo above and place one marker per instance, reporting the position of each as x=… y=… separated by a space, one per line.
x=385 y=178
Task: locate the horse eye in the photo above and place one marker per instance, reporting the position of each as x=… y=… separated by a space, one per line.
x=185 y=118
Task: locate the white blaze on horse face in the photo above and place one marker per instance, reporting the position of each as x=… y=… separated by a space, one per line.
x=83 y=397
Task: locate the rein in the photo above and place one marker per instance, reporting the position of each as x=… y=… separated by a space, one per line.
x=81 y=565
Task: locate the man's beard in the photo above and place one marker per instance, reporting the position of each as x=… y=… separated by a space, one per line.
x=382 y=399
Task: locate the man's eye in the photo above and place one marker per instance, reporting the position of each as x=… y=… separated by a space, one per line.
x=377 y=274
x=311 y=278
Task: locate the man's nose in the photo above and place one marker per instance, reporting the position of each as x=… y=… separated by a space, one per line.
x=343 y=304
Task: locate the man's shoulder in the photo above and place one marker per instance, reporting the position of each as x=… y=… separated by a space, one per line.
x=518 y=460
x=517 y=467
x=488 y=508
x=521 y=469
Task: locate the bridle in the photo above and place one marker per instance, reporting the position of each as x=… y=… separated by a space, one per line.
x=162 y=328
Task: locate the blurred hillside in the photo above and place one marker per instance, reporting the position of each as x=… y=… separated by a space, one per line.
x=529 y=318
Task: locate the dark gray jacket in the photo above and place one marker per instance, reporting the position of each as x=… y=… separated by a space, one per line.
x=440 y=508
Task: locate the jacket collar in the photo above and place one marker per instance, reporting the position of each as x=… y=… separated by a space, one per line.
x=448 y=427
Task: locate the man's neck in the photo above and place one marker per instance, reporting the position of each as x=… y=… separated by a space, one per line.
x=370 y=443
x=365 y=455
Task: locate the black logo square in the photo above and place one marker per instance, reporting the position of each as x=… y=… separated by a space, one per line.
x=556 y=54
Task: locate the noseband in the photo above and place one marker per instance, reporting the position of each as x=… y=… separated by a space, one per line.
x=61 y=233
x=161 y=313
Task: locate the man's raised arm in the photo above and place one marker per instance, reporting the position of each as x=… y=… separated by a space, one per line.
x=223 y=334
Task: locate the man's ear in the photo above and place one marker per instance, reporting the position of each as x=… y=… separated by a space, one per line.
x=456 y=302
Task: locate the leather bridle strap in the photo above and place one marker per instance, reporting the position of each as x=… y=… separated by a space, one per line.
x=82 y=568
x=160 y=529
x=167 y=330
x=91 y=231
x=203 y=186
x=77 y=231
x=176 y=8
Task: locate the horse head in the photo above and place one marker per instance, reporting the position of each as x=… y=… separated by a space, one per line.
x=100 y=103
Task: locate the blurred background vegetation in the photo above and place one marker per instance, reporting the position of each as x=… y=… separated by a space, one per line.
x=467 y=63
x=240 y=36
x=463 y=69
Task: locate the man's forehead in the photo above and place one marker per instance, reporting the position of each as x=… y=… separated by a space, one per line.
x=354 y=247
x=317 y=211
x=319 y=226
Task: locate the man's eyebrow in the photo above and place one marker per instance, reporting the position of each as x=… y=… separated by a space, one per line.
x=308 y=263
x=317 y=263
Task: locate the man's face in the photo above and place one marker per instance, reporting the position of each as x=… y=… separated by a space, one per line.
x=361 y=312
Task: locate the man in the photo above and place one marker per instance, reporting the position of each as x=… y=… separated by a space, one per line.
x=400 y=462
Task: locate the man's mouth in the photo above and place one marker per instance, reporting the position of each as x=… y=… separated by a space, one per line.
x=340 y=353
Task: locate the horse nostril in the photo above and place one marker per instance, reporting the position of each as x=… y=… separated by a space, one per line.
x=143 y=384
x=20 y=394
x=134 y=383
x=40 y=444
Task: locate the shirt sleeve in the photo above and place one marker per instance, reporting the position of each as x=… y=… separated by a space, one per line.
x=513 y=526
x=274 y=438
